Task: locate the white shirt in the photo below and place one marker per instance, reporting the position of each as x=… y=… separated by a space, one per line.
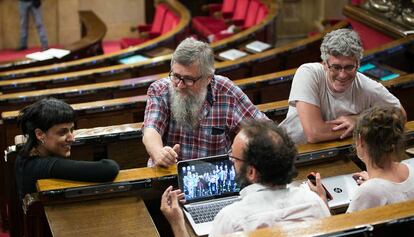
x=310 y=85
x=261 y=206
x=379 y=192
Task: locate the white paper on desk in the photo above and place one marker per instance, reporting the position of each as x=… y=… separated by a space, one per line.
x=57 y=53
x=232 y=54
x=39 y=56
x=257 y=46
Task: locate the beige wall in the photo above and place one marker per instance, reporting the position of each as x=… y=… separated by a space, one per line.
x=61 y=20
x=298 y=17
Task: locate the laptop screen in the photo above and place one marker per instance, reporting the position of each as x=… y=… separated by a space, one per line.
x=206 y=178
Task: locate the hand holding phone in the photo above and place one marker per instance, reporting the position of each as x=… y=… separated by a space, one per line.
x=312 y=179
x=360 y=177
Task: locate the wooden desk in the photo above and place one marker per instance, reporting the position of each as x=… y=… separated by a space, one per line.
x=372 y=216
x=126 y=216
x=252 y=65
x=328 y=168
x=122 y=142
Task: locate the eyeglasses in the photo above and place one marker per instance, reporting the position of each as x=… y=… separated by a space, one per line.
x=335 y=68
x=187 y=80
x=233 y=158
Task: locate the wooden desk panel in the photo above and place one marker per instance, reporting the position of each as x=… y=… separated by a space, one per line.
x=108 y=217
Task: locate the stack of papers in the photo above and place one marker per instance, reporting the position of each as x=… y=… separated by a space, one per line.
x=232 y=54
x=257 y=46
x=48 y=54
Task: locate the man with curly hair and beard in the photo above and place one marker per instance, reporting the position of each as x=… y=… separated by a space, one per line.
x=193 y=113
x=263 y=157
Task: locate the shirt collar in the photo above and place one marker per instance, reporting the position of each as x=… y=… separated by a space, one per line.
x=256 y=187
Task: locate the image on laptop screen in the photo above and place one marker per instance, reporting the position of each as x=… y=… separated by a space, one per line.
x=206 y=178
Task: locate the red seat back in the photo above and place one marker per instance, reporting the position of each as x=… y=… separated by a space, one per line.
x=228 y=6
x=240 y=10
x=252 y=13
x=171 y=20
x=157 y=23
x=261 y=13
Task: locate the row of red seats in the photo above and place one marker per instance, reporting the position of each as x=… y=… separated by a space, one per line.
x=236 y=14
x=164 y=21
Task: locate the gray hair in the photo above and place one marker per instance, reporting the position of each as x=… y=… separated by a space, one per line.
x=342 y=42
x=191 y=51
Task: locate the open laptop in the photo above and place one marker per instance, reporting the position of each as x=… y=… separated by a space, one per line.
x=341 y=188
x=208 y=185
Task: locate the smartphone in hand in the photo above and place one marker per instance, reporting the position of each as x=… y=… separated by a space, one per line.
x=312 y=178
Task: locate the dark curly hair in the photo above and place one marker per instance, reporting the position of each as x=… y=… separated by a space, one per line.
x=42 y=114
x=382 y=129
x=271 y=151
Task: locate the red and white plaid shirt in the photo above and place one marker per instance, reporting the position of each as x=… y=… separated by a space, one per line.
x=225 y=107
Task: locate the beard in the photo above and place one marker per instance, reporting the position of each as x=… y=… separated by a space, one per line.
x=241 y=177
x=186 y=107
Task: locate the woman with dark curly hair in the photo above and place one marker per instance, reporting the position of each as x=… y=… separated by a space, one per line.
x=379 y=141
x=48 y=127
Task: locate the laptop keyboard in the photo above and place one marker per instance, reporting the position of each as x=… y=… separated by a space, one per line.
x=206 y=212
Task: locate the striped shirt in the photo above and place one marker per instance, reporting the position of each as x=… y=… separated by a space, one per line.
x=225 y=107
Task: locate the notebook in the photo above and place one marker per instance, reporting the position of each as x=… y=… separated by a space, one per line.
x=341 y=188
x=257 y=46
x=208 y=185
x=232 y=54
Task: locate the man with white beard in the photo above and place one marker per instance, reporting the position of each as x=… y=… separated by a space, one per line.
x=193 y=113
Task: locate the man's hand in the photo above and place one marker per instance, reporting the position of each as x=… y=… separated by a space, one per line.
x=318 y=188
x=346 y=123
x=167 y=156
x=172 y=211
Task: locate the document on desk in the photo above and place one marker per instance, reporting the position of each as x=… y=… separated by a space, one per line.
x=232 y=54
x=48 y=54
x=257 y=46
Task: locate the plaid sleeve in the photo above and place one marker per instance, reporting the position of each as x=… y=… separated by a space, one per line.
x=244 y=108
x=157 y=109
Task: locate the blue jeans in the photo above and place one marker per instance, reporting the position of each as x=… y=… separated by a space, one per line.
x=25 y=8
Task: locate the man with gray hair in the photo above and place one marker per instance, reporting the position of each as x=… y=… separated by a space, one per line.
x=193 y=113
x=326 y=97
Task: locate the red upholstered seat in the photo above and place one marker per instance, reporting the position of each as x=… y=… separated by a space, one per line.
x=210 y=25
x=206 y=25
x=224 y=9
x=171 y=20
x=261 y=13
x=240 y=12
x=251 y=19
x=251 y=14
x=153 y=30
x=370 y=37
